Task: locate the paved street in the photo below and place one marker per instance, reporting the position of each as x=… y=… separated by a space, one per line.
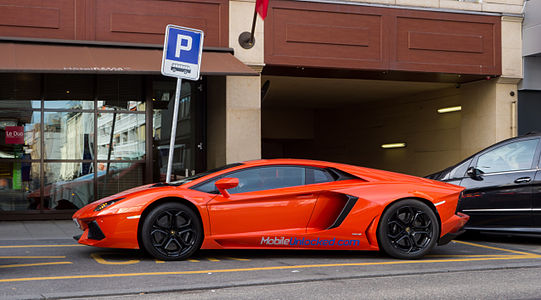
x=57 y=267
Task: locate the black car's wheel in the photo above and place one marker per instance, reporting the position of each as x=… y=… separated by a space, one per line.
x=408 y=229
x=171 y=231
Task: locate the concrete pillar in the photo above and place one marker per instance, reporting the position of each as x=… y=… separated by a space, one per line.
x=489 y=107
x=243 y=118
x=233 y=119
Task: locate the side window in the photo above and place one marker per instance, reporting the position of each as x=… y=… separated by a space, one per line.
x=267 y=178
x=458 y=172
x=511 y=157
x=314 y=175
x=209 y=186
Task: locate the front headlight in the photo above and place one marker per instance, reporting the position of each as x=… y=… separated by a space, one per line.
x=106 y=204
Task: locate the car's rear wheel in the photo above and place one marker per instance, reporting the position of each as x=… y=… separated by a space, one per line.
x=171 y=231
x=408 y=229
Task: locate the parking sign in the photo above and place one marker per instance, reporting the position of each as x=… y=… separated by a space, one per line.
x=182 y=52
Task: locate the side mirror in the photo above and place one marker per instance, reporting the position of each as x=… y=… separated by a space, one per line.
x=226 y=183
x=475 y=173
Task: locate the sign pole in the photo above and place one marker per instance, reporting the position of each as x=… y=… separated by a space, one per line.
x=173 y=131
x=182 y=51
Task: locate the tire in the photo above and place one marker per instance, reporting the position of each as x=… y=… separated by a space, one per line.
x=408 y=229
x=171 y=231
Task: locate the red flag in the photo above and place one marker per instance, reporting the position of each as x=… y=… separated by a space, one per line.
x=261 y=7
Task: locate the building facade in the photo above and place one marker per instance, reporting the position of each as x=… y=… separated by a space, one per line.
x=85 y=112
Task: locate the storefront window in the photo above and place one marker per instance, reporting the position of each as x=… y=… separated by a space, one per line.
x=67 y=140
x=121 y=136
x=116 y=177
x=20 y=134
x=19 y=186
x=68 y=185
x=68 y=135
x=187 y=140
x=69 y=104
x=120 y=92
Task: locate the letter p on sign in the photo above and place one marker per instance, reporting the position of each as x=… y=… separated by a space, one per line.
x=187 y=47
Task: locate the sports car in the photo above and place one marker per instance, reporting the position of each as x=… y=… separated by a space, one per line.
x=278 y=204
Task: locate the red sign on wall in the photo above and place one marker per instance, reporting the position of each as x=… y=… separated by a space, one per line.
x=14 y=134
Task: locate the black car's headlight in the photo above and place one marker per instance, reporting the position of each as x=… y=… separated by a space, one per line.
x=106 y=204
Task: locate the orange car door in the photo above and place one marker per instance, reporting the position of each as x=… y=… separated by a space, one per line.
x=267 y=199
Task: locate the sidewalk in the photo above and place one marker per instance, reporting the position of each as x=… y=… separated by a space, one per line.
x=38 y=230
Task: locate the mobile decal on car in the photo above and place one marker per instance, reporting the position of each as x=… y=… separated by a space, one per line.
x=294 y=241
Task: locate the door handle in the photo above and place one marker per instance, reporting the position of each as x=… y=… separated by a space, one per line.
x=523 y=180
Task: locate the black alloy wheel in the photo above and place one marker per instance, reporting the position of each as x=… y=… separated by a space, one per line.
x=171 y=231
x=408 y=230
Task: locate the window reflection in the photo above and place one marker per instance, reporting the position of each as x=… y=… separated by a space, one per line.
x=20 y=134
x=69 y=104
x=68 y=185
x=184 y=152
x=19 y=186
x=121 y=136
x=120 y=92
x=116 y=177
x=68 y=135
x=512 y=157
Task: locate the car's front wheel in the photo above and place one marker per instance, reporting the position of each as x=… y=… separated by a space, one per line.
x=171 y=231
x=408 y=229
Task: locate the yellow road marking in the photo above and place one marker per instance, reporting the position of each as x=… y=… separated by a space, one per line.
x=97 y=257
x=493 y=248
x=40 y=246
x=193 y=260
x=212 y=259
x=401 y=262
x=235 y=258
x=7 y=257
x=468 y=255
x=159 y=261
x=36 y=264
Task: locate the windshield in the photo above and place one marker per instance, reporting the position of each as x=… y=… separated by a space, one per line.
x=199 y=175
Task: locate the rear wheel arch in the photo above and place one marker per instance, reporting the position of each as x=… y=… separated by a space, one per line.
x=394 y=203
x=159 y=202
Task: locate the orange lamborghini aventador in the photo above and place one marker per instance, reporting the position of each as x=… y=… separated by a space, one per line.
x=278 y=204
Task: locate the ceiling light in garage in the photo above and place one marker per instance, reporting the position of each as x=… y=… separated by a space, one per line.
x=393 y=145
x=449 y=109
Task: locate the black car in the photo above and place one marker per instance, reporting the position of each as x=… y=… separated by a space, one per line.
x=503 y=186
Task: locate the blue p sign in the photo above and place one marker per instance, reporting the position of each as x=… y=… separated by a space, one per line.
x=182 y=52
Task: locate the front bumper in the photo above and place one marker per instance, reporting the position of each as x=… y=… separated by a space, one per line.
x=456 y=224
x=113 y=231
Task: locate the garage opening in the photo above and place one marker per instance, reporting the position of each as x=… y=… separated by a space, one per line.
x=348 y=121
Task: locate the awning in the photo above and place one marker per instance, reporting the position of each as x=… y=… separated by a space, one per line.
x=54 y=58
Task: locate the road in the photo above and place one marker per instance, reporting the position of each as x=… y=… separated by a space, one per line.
x=485 y=267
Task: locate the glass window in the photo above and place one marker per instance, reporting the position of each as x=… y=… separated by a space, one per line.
x=19 y=186
x=260 y=178
x=20 y=134
x=458 y=172
x=121 y=136
x=69 y=104
x=184 y=160
x=21 y=87
x=68 y=185
x=511 y=157
x=68 y=87
x=268 y=178
x=68 y=135
x=120 y=92
x=317 y=176
x=116 y=177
